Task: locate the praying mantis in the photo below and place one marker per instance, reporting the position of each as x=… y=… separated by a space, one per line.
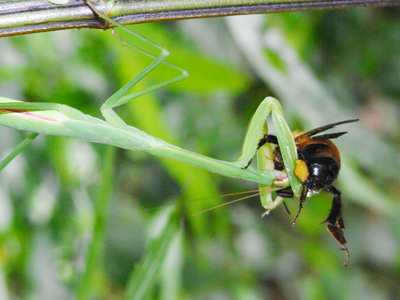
x=62 y=120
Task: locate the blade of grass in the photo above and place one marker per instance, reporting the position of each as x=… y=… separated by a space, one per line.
x=94 y=257
x=145 y=276
x=25 y=143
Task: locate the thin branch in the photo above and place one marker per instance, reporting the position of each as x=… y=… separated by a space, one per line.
x=19 y=17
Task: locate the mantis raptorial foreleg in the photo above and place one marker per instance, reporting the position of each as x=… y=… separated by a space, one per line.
x=62 y=120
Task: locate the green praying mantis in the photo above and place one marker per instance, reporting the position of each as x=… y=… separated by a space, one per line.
x=62 y=120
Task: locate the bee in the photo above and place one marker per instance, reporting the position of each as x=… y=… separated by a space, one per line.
x=317 y=168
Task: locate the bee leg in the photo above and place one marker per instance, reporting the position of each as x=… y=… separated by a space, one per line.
x=287 y=209
x=335 y=220
x=303 y=198
x=267 y=138
x=285 y=193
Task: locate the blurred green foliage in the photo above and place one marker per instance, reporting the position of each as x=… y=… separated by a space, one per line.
x=74 y=218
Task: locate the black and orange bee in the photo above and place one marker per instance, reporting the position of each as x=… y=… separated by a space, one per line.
x=317 y=168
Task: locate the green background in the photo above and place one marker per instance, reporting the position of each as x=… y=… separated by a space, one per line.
x=76 y=219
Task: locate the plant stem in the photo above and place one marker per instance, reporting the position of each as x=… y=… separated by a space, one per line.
x=19 y=17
